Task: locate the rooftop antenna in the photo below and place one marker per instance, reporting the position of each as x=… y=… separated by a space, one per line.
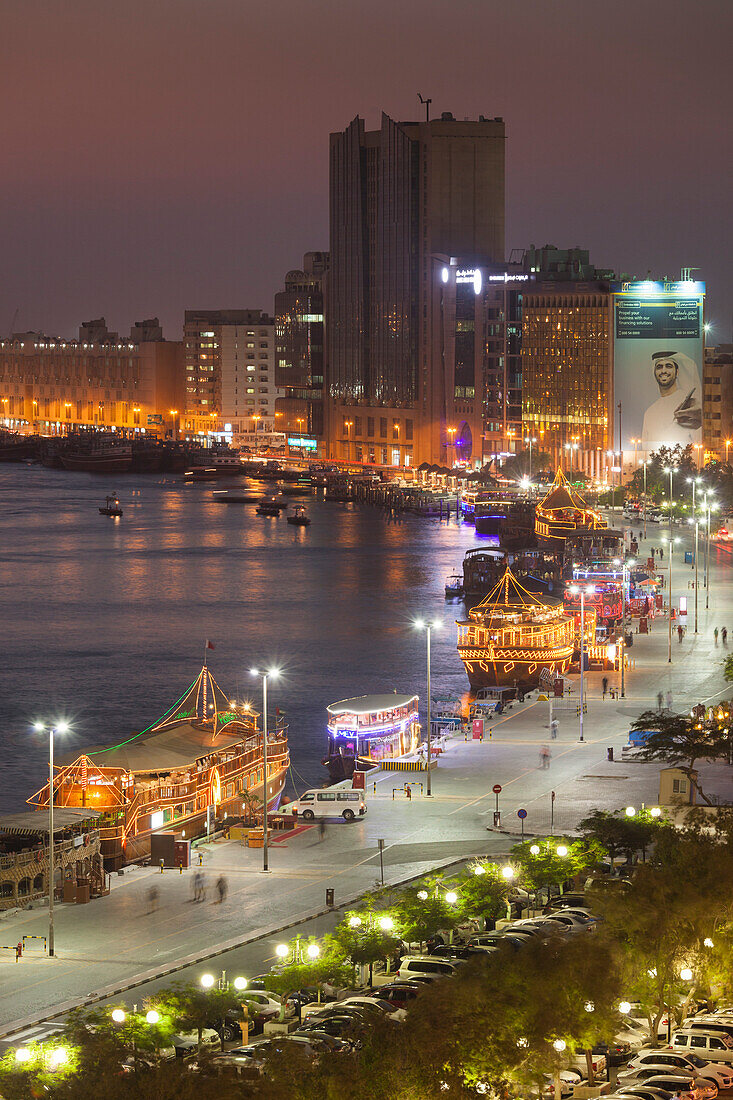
x=426 y=103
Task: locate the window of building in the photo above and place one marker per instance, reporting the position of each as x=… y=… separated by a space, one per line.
x=357 y=425
x=370 y=427
x=408 y=429
x=383 y=430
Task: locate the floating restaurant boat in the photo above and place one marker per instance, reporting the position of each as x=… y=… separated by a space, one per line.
x=512 y=635
x=563 y=513
x=368 y=730
x=196 y=763
x=104 y=460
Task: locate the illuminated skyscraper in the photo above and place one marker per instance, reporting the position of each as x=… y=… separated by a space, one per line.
x=400 y=197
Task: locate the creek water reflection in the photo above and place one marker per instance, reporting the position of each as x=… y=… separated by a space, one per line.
x=104 y=621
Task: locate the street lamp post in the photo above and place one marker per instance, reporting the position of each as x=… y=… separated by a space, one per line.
x=670 y=470
x=61 y=727
x=587 y=591
x=671 y=542
x=645 y=464
x=696 y=521
x=624 y=581
x=428 y=627
x=709 y=507
x=727 y=445
x=347 y=425
x=530 y=439
x=272 y=674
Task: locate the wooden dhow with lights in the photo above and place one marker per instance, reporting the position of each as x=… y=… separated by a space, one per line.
x=513 y=635
x=563 y=513
x=201 y=762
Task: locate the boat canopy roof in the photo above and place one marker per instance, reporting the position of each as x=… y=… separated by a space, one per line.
x=171 y=747
x=371 y=704
x=508 y=594
x=561 y=495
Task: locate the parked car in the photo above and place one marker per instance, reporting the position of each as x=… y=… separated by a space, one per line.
x=457 y=951
x=641 y=1092
x=617 y=1053
x=399 y=994
x=369 y=1004
x=713 y=1022
x=566 y=900
x=334 y=802
x=714 y=1046
x=722 y=1075
x=323 y=1039
x=425 y=964
x=187 y=1043
x=684 y=1086
x=580 y=1062
x=345 y=1025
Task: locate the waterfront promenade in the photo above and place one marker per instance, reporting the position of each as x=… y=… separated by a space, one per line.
x=117 y=940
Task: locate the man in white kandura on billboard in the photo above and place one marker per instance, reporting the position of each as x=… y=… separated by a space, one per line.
x=676 y=415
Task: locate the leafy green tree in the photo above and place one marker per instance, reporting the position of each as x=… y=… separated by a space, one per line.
x=618 y=833
x=682 y=741
x=192 y=1008
x=252 y=807
x=558 y=860
x=329 y=965
x=482 y=891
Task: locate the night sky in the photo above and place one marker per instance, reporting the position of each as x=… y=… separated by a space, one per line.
x=159 y=155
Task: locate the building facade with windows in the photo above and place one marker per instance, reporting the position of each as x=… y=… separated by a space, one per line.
x=230 y=372
x=100 y=381
x=717 y=401
x=400 y=196
x=300 y=351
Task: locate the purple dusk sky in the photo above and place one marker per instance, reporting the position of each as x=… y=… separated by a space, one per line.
x=168 y=154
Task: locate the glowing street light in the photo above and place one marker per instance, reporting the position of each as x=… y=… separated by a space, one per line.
x=451 y=897
x=507 y=872
x=428 y=625
x=559 y=1045
x=272 y=674
x=312 y=950
x=630 y=811
x=207 y=980
x=562 y=850
x=655 y=811
x=60 y=727
x=23 y=1054
x=153 y=1016
x=707 y=942
x=282 y=951
x=686 y=974
x=535 y=849
x=479 y=869
x=624 y=1008
x=355 y=922
x=119 y=1015
x=240 y=984
x=423 y=895
x=386 y=924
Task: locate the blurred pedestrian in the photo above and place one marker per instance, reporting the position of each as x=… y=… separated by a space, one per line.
x=553 y=729
x=604 y=682
x=153 y=899
x=669 y=700
x=544 y=758
x=724 y=635
x=221 y=888
x=715 y=635
x=680 y=632
x=321 y=829
x=660 y=700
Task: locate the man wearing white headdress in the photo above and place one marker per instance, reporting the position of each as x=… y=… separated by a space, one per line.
x=676 y=416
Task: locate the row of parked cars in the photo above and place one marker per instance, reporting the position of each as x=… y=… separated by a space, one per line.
x=695 y=1064
x=339 y=1025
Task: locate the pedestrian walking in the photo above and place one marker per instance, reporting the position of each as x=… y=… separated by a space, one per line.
x=202 y=889
x=321 y=829
x=553 y=729
x=660 y=700
x=196 y=886
x=604 y=682
x=408 y=792
x=152 y=899
x=669 y=700
x=680 y=632
x=724 y=635
x=661 y=553
x=221 y=888
x=715 y=635
x=544 y=758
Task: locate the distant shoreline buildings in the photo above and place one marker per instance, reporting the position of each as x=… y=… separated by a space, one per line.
x=412 y=339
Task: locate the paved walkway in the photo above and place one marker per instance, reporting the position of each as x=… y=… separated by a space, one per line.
x=114 y=940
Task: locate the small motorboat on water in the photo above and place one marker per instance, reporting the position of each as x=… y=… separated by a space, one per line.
x=271 y=507
x=111 y=507
x=453 y=586
x=300 y=517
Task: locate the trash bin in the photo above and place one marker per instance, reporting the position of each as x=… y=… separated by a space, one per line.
x=609 y=753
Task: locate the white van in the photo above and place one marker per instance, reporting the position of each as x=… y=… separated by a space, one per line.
x=712 y=1045
x=332 y=802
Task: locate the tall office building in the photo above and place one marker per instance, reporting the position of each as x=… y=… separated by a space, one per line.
x=567 y=358
x=402 y=198
x=717 y=401
x=230 y=371
x=299 y=351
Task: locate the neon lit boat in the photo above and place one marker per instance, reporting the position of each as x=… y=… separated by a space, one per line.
x=202 y=759
x=512 y=635
x=562 y=513
x=365 y=731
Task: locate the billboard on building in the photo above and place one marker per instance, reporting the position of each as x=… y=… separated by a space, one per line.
x=658 y=364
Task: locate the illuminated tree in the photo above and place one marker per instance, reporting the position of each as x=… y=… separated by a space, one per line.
x=681 y=741
x=192 y=1008
x=558 y=860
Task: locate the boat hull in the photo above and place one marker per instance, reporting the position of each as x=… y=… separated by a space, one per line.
x=98 y=464
x=117 y=853
x=520 y=667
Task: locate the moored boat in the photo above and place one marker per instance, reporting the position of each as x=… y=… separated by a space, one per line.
x=271 y=506
x=512 y=635
x=453 y=586
x=563 y=513
x=105 y=460
x=192 y=768
x=370 y=730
